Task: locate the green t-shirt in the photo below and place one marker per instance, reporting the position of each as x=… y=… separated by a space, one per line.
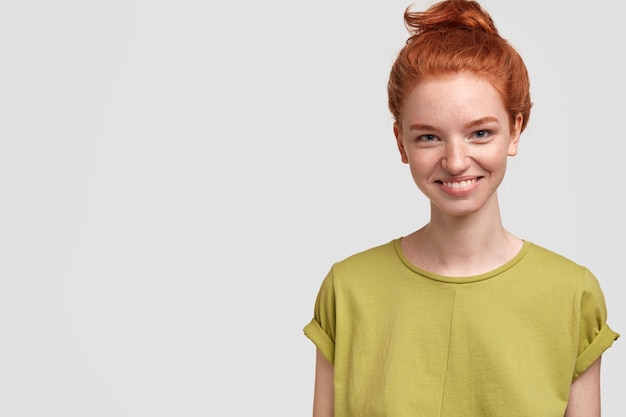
x=406 y=342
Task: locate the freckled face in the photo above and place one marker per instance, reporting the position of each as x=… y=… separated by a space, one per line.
x=456 y=136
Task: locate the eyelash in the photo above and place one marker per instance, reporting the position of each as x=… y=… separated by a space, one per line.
x=487 y=133
x=426 y=138
x=430 y=137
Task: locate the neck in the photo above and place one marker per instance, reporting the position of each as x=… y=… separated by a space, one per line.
x=461 y=245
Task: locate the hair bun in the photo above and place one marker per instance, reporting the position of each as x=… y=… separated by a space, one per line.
x=450 y=14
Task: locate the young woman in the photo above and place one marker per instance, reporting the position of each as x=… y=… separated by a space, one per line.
x=461 y=317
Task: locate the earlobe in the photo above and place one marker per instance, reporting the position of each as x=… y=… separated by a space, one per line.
x=515 y=135
x=396 y=133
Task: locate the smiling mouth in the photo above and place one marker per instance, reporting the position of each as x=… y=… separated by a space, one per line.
x=457 y=185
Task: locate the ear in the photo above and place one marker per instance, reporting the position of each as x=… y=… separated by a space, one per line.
x=396 y=133
x=515 y=135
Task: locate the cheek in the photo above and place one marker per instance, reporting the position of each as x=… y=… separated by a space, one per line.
x=496 y=163
x=492 y=158
x=421 y=165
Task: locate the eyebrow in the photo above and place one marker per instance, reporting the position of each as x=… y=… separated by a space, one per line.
x=421 y=126
x=473 y=123
x=481 y=121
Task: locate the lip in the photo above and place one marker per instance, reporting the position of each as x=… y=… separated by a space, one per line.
x=459 y=186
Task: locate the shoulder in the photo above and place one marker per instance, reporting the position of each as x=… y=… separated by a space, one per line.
x=549 y=258
x=372 y=262
x=370 y=257
x=546 y=262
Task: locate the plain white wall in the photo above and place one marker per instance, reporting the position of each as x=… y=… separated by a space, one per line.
x=176 y=178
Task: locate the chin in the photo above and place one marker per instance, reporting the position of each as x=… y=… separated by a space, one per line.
x=459 y=208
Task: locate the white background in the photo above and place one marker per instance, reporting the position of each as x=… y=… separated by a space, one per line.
x=176 y=178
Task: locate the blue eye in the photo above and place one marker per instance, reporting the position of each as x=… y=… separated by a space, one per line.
x=427 y=138
x=481 y=134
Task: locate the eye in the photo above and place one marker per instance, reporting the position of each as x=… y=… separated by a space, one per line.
x=482 y=134
x=427 y=138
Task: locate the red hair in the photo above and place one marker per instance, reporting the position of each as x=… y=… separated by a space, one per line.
x=453 y=36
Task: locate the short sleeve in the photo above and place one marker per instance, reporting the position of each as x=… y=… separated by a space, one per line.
x=595 y=336
x=321 y=329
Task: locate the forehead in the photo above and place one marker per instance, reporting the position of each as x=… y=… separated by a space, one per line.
x=452 y=97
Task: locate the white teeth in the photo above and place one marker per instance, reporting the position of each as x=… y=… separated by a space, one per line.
x=459 y=184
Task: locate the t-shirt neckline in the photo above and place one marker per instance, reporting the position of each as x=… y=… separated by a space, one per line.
x=465 y=279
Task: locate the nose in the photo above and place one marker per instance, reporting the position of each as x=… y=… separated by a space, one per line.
x=456 y=158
